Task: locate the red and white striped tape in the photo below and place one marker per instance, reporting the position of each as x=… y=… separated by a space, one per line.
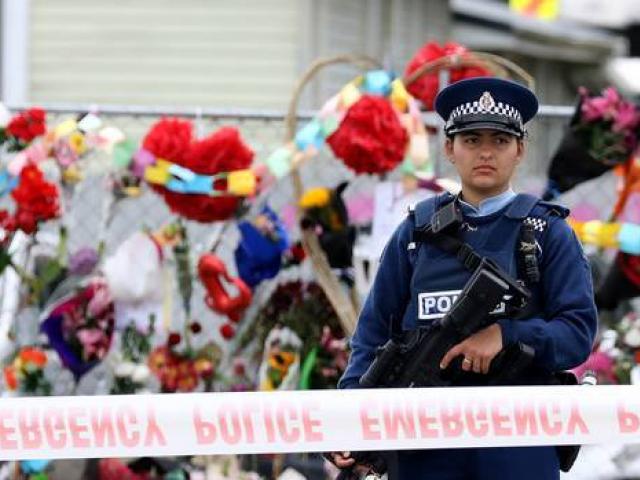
x=316 y=421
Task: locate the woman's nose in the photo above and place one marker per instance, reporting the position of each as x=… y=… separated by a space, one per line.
x=486 y=153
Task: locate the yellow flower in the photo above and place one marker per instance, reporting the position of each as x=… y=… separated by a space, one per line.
x=241 y=183
x=65 y=128
x=77 y=143
x=133 y=191
x=71 y=174
x=281 y=361
x=314 y=198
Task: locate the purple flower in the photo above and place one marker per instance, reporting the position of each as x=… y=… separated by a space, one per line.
x=83 y=261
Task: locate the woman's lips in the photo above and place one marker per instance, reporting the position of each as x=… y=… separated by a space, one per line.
x=484 y=169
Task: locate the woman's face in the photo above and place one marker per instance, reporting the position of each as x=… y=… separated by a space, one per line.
x=485 y=159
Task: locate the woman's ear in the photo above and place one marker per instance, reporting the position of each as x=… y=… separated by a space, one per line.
x=448 y=149
x=521 y=150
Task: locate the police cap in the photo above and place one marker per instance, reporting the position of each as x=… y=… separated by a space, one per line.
x=486 y=102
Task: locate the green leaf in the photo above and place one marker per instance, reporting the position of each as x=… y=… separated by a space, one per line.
x=51 y=271
x=5 y=259
x=307 y=369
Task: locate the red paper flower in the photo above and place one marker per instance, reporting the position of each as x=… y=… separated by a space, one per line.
x=222 y=151
x=27 y=125
x=425 y=88
x=170 y=138
x=370 y=138
x=7 y=222
x=36 y=200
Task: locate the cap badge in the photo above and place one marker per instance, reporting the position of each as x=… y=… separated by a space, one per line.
x=486 y=102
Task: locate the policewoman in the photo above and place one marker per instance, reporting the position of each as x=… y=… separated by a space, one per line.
x=417 y=281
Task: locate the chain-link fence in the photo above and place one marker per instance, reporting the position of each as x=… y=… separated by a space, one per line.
x=92 y=215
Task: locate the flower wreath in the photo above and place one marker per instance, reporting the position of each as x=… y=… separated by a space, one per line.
x=372 y=125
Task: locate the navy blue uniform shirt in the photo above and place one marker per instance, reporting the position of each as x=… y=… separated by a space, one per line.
x=563 y=327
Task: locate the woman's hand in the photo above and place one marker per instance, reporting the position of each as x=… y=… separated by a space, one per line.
x=478 y=350
x=345 y=460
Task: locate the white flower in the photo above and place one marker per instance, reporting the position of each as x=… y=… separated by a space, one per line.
x=140 y=373
x=125 y=369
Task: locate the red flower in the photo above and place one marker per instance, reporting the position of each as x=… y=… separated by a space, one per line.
x=174 y=339
x=10 y=377
x=370 y=138
x=7 y=222
x=170 y=138
x=33 y=355
x=425 y=88
x=174 y=372
x=195 y=328
x=26 y=221
x=298 y=253
x=27 y=125
x=223 y=151
x=227 y=331
x=203 y=367
x=36 y=200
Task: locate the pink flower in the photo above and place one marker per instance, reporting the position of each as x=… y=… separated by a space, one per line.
x=100 y=301
x=603 y=107
x=627 y=117
x=94 y=342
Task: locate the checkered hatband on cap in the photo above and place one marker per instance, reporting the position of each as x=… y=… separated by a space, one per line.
x=485 y=106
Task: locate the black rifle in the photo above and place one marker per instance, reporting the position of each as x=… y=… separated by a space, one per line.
x=415 y=362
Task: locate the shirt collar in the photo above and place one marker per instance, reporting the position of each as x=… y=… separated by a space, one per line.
x=488 y=205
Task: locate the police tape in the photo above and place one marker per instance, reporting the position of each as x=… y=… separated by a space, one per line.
x=316 y=421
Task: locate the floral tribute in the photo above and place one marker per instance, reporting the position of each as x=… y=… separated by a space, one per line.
x=80 y=327
x=426 y=87
x=23 y=128
x=602 y=134
x=182 y=369
x=370 y=138
x=214 y=171
x=25 y=374
x=36 y=201
x=372 y=125
x=607 y=125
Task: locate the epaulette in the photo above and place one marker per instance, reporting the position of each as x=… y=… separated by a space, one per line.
x=554 y=209
x=538 y=218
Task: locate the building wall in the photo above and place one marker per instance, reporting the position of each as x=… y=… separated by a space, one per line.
x=214 y=53
x=209 y=53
